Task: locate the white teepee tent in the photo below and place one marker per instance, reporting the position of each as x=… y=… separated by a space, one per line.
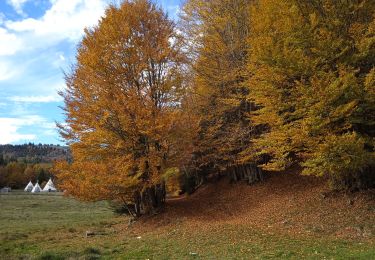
x=49 y=186
x=36 y=188
x=29 y=187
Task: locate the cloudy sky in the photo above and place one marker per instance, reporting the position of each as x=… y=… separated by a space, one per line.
x=38 y=40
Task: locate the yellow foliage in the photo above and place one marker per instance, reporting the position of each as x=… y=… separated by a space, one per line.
x=312 y=66
x=123 y=104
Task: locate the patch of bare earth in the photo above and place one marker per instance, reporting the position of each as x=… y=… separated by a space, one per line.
x=285 y=203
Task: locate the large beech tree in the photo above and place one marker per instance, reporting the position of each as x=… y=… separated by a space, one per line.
x=122 y=101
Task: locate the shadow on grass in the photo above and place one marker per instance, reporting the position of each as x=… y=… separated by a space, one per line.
x=89 y=253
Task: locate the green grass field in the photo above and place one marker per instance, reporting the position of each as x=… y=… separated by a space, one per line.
x=54 y=227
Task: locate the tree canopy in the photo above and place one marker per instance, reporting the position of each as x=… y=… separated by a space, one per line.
x=237 y=87
x=312 y=65
x=122 y=104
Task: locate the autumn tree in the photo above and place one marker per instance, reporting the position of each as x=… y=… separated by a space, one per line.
x=122 y=102
x=31 y=173
x=217 y=34
x=312 y=74
x=14 y=172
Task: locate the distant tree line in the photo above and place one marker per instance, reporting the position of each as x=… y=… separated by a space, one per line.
x=16 y=174
x=21 y=163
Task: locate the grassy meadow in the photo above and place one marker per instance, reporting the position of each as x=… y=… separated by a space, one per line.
x=51 y=226
x=32 y=225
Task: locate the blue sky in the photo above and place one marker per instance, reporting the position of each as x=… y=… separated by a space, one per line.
x=38 y=40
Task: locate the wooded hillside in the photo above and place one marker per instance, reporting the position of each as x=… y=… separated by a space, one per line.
x=34 y=153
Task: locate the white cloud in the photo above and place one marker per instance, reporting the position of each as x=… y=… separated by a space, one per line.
x=10 y=128
x=10 y=43
x=36 y=99
x=23 y=40
x=65 y=20
x=17 y=5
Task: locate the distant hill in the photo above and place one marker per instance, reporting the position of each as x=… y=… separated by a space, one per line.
x=34 y=153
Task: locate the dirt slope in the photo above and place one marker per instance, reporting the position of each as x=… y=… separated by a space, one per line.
x=285 y=203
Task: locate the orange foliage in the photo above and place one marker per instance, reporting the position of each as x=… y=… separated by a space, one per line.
x=123 y=103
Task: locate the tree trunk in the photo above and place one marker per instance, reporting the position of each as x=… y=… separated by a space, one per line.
x=137 y=204
x=233 y=174
x=254 y=174
x=150 y=200
x=160 y=194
